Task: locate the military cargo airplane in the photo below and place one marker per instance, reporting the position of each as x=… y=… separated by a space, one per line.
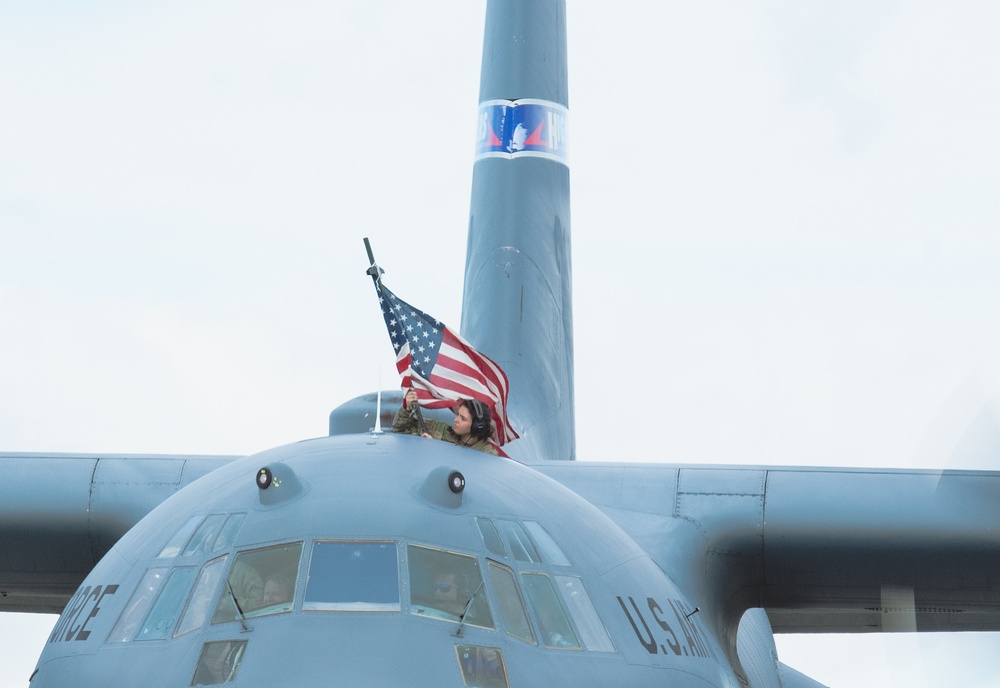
x=647 y=592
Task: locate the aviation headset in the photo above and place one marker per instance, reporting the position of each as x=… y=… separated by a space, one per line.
x=480 y=419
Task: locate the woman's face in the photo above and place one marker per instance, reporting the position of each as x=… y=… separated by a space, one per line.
x=462 y=424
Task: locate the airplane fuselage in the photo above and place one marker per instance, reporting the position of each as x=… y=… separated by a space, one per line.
x=361 y=563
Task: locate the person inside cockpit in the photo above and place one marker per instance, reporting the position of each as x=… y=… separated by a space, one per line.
x=472 y=427
x=447 y=595
x=245 y=587
x=277 y=590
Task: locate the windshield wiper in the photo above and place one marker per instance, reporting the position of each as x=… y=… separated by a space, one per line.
x=239 y=609
x=468 y=606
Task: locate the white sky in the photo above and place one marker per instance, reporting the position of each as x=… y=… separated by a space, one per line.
x=785 y=234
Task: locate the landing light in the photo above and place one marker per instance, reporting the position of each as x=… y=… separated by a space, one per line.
x=264 y=478
x=456 y=482
x=290 y=484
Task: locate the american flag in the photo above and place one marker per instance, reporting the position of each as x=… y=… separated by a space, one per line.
x=441 y=366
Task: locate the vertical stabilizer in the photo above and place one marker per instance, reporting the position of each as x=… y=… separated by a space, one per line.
x=517 y=305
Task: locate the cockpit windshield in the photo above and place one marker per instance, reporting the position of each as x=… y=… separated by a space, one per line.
x=447 y=585
x=261 y=581
x=199 y=578
x=353 y=576
x=553 y=622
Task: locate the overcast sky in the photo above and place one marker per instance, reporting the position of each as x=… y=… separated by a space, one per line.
x=784 y=214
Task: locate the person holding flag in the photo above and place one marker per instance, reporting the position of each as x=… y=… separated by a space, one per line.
x=439 y=369
x=472 y=427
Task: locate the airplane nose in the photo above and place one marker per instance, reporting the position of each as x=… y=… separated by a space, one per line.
x=341 y=648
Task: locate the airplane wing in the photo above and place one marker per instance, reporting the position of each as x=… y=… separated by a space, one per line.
x=833 y=550
x=822 y=550
x=55 y=530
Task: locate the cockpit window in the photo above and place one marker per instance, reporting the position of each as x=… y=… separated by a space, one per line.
x=491 y=538
x=260 y=582
x=202 y=535
x=183 y=534
x=444 y=584
x=518 y=541
x=353 y=576
x=160 y=622
x=549 y=551
x=201 y=599
x=204 y=538
x=592 y=630
x=138 y=605
x=482 y=666
x=527 y=541
x=512 y=613
x=219 y=662
x=554 y=625
x=228 y=533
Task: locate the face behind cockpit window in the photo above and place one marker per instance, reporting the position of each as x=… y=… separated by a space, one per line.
x=260 y=582
x=447 y=585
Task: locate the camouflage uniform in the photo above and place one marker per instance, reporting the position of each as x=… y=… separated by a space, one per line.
x=405 y=423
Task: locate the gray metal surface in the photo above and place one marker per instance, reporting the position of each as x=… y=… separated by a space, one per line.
x=60 y=513
x=822 y=550
x=393 y=489
x=517 y=303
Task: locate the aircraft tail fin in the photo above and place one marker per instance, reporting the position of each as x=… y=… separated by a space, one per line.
x=517 y=301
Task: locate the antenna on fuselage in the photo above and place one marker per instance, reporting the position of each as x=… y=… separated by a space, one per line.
x=377 y=430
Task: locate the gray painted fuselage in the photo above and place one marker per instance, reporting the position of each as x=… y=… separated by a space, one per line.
x=388 y=489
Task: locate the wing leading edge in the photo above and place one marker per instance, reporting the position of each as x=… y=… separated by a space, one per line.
x=821 y=550
x=60 y=513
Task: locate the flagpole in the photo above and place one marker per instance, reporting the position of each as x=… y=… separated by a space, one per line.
x=374 y=270
x=418 y=415
x=376 y=274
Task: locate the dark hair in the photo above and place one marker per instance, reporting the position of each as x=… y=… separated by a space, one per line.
x=482 y=419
